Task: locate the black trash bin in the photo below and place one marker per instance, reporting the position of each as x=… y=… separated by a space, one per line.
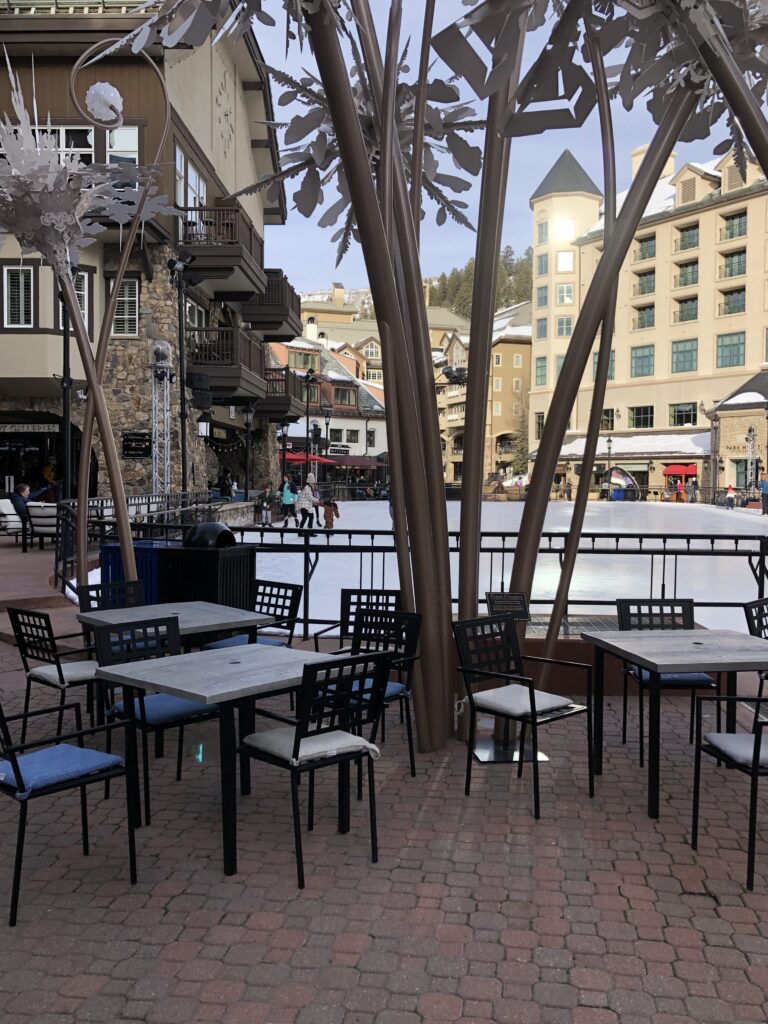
x=222 y=575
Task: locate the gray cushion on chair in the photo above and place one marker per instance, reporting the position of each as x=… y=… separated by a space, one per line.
x=689 y=680
x=515 y=700
x=73 y=672
x=279 y=743
x=739 y=746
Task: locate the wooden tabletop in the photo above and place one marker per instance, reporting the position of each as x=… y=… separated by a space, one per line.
x=685 y=650
x=213 y=677
x=194 y=616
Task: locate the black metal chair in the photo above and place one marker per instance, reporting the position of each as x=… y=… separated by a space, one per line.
x=757 y=624
x=44 y=661
x=351 y=602
x=489 y=651
x=53 y=765
x=676 y=613
x=508 y=602
x=336 y=700
x=747 y=752
x=153 y=713
x=271 y=597
x=94 y=597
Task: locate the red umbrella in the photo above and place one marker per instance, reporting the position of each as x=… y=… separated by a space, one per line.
x=301 y=457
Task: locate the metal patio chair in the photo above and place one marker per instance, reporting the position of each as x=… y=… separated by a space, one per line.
x=351 y=602
x=757 y=624
x=271 y=597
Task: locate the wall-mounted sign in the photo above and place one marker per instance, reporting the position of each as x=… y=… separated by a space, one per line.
x=508 y=603
x=220 y=433
x=338 y=449
x=29 y=428
x=137 y=445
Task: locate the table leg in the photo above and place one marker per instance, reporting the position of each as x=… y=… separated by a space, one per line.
x=131 y=756
x=246 y=721
x=654 y=725
x=598 y=709
x=228 y=762
x=343 y=797
x=730 y=706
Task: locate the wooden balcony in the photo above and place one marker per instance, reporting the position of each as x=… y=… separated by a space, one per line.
x=233 y=362
x=277 y=313
x=285 y=397
x=226 y=247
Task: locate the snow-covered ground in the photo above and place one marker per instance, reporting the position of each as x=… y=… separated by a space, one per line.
x=602 y=577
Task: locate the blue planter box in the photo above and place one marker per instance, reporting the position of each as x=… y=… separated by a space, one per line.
x=147 y=565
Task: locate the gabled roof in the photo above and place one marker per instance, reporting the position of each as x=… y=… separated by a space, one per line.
x=752 y=394
x=566 y=175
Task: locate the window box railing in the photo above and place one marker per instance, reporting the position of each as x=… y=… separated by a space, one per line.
x=644 y=287
x=685 y=242
x=685 y=316
x=219 y=226
x=224 y=346
x=643 y=323
x=732 y=308
x=686 y=280
x=735 y=230
x=641 y=254
x=284 y=383
x=729 y=270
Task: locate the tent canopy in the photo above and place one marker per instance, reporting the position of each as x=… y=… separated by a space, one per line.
x=301 y=457
x=358 y=461
x=680 y=470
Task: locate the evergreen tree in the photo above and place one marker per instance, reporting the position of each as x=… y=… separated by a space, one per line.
x=513 y=284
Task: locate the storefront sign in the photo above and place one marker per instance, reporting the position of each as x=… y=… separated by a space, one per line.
x=137 y=445
x=508 y=603
x=221 y=433
x=338 y=449
x=29 y=428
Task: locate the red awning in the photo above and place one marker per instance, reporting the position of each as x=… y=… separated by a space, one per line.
x=301 y=457
x=691 y=470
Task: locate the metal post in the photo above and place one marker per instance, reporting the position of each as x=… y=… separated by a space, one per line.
x=715 y=453
x=285 y=443
x=182 y=378
x=66 y=406
x=309 y=379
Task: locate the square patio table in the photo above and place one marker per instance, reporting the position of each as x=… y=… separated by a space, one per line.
x=196 y=618
x=231 y=678
x=672 y=650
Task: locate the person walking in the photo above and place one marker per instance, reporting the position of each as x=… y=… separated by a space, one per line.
x=730 y=496
x=318 y=503
x=265 y=504
x=306 y=502
x=689 y=491
x=330 y=511
x=679 y=490
x=289 y=494
x=568 y=490
x=225 y=485
x=764 y=492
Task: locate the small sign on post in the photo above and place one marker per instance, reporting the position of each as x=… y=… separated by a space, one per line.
x=508 y=603
x=137 y=444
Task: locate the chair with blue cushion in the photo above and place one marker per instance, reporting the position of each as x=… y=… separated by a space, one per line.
x=271 y=597
x=677 y=613
x=45 y=661
x=153 y=712
x=51 y=766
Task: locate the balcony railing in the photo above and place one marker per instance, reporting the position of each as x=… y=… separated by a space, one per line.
x=643 y=254
x=279 y=292
x=686 y=280
x=685 y=316
x=643 y=323
x=732 y=308
x=284 y=383
x=685 y=242
x=457 y=450
x=729 y=270
x=730 y=231
x=224 y=346
x=644 y=287
x=219 y=226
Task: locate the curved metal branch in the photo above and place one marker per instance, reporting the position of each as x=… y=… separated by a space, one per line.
x=420 y=116
x=606 y=341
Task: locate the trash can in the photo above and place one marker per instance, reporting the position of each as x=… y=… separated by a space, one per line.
x=219 y=575
x=147 y=565
x=617 y=494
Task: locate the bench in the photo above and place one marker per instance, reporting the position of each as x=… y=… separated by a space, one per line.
x=10 y=520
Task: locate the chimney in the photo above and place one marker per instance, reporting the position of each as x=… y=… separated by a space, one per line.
x=638 y=156
x=310 y=330
x=426 y=286
x=338 y=294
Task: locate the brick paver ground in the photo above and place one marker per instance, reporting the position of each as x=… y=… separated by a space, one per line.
x=475 y=912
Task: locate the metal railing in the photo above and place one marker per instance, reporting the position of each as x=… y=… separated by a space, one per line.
x=685 y=317
x=219 y=226
x=224 y=346
x=729 y=270
x=279 y=292
x=686 y=242
x=733 y=231
x=732 y=308
x=644 y=287
x=643 y=323
x=282 y=382
x=641 y=254
x=686 y=280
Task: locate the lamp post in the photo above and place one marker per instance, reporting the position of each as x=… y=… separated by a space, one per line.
x=609 y=446
x=177 y=265
x=751 y=440
x=248 y=421
x=715 y=453
x=327 y=431
x=66 y=415
x=309 y=380
x=282 y=436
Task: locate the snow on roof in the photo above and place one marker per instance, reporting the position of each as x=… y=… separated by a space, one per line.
x=708 y=168
x=688 y=445
x=513 y=332
x=662 y=201
x=744 y=398
x=303 y=343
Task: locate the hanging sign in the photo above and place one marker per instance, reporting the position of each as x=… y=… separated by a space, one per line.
x=137 y=444
x=29 y=428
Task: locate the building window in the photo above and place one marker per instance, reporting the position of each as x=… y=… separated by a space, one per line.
x=541 y=328
x=611 y=366
x=335 y=435
x=645 y=319
x=538 y=425
x=542 y=296
x=497 y=408
x=689 y=237
x=497 y=383
x=196 y=315
x=17 y=296
x=734 y=226
x=565 y=262
x=191 y=188
x=687 y=310
x=541 y=370
x=81 y=291
x=542 y=264
x=640 y=416
x=517 y=384
x=123 y=145
x=565 y=294
x=73 y=142
x=646 y=283
x=730 y=349
x=542 y=229
x=685 y=356
x=559 y=360
x=689 y=274
x=370 y=438
x=646 y=248
x=607 y=420
x=126 y=322
x=517 y=362
x=374 y=375
x=344 y=396
x=682 y=414
x=735 y=264
x=564 y=326
x=302 y=361
x=641 y=361
x=353 y=436
x=497 y=358
x=733 y=302
x=372 y=350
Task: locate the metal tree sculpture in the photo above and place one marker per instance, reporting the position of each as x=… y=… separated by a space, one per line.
x=54 y=204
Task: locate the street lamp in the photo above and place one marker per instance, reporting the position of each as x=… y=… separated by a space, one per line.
x=282 y=436
x=248 y=421
x=309 y=380
x=609 y=446
x=327 y=430
x=176 y=266
x=715 y=451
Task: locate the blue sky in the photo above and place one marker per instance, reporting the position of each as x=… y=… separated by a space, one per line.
x=306 y=252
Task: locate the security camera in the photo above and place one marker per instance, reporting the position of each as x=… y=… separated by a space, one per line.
x=178 y=264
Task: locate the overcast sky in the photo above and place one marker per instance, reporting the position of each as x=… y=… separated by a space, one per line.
x=306 y=252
